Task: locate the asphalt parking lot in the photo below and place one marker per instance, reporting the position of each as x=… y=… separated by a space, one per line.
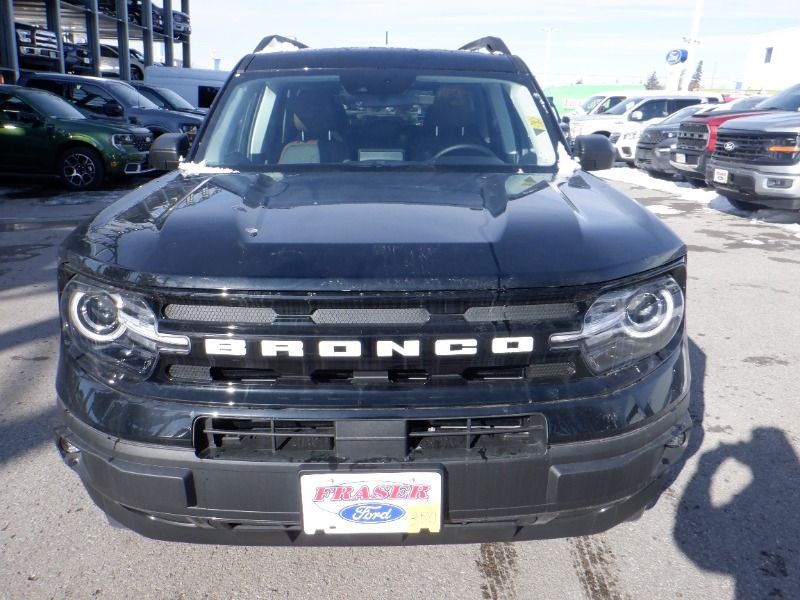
x=727 y=527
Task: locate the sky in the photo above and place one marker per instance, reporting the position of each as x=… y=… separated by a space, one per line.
x=603 y=41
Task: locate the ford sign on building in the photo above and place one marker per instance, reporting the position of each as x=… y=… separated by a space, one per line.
x=675 y=57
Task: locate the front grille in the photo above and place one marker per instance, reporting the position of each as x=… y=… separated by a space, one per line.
x=650 y=138
x=754 y=147
x=46 y=39
x=408 y=440
x=693 y=136
x=527 y=313
x=142 y=142
x=384 y=341
x=390 y=377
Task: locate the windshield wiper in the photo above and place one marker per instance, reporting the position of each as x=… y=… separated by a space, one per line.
x=389 y=165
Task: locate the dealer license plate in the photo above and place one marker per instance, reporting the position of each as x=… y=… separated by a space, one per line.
x=680 y=158
x=720 y=176
x=365 y=502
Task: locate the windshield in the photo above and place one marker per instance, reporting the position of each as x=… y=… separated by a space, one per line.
x=592 y=102
x=683 y=113
x=623 y=107
x=175 y=101
x=385 y=118
x=788 y=99
x=130 y=97
x=52 y=106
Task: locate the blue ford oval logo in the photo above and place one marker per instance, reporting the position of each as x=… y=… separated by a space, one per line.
x=371 y=512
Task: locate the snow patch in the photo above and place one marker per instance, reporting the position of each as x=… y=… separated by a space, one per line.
x=566 y=164
x=753 y=242
x=788 y=220
x=680 y=189
x=192 y=168
x=660 y=209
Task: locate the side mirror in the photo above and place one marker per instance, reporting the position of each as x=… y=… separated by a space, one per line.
x=565 y=119
x=564 y=129
x=167 y=151
x=595 y=152
x=30 y=118
x=636 y=115
x=113 y=109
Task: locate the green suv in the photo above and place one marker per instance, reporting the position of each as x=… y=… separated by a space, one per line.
x=41 y=133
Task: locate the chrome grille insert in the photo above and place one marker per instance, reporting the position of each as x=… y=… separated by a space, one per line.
x=370 y=316
x=219 y=314
x=522 y=312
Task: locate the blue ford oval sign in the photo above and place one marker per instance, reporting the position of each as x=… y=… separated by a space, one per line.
x=675 y=57
x=372 y=512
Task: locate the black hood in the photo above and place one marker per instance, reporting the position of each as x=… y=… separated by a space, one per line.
x=346 y=230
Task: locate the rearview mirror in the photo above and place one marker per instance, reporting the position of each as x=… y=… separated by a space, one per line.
x=565 y=119
x=637 y=115
x=167 y=151
x=595 y=152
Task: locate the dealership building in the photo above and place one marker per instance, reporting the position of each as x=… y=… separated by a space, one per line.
x=34 y=32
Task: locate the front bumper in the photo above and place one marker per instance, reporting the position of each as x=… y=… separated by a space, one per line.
x=654 y=158
x=750 y=183
x=133 y=163
x=692 y=163
x=568 y=489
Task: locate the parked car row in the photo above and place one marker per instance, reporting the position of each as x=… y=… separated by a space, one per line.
x=83 y=129
x=747 y=150
x=624 y=122
x=181 y=24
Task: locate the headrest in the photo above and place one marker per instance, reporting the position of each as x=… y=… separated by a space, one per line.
x=317 y=110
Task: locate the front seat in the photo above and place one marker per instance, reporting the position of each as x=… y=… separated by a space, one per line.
x=318 y=119
x=450 y=121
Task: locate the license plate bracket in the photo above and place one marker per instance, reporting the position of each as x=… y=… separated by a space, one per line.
x=371 y=502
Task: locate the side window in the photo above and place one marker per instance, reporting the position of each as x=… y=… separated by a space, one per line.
x=679 y=104
x=154 y=98
x=11 y=107
x=90 y=97
x=653 y=109
x=206 y=95
x=609 y=102
x=49 y=86
x=107 y=52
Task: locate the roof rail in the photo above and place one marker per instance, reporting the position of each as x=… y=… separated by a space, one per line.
x=274 y=40
x=490 y=43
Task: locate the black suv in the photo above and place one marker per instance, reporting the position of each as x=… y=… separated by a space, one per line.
x=114 y=100
x=378 y=303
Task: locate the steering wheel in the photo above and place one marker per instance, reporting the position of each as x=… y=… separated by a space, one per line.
x=482 y=149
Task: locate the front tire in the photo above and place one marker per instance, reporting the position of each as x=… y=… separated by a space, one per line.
x=81 y=169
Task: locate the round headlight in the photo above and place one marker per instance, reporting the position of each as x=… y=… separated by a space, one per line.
x=96 y=316
x=648 y=313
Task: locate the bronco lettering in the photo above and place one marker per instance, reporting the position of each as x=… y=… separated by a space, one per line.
x=382 y=348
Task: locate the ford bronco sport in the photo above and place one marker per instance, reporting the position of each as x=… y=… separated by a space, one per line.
x=378 y=302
